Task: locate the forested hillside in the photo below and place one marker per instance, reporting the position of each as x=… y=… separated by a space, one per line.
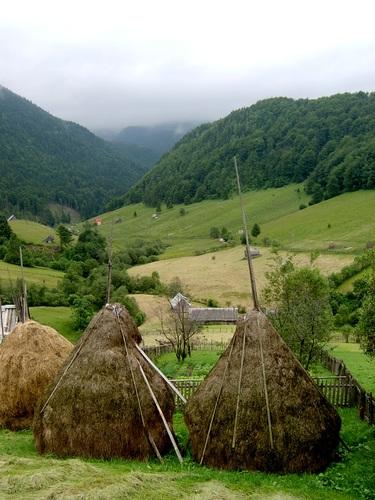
x=328 y=142
x=47 y=160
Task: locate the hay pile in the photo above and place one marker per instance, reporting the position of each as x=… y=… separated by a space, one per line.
x=304 y=426
x=30 y=357
x=94 y=411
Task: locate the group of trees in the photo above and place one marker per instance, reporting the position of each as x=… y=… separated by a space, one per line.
x=301 y=312
x=305 y=306
x=84 y=285
x=329 y=142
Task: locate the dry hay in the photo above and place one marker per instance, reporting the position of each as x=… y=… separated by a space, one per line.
x=94 y=411
x=305 y=426
x=30 y=357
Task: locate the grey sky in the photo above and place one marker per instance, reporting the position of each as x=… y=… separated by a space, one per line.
x=116 y=63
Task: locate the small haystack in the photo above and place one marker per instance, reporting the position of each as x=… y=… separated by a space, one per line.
x=29 y=359
x=259 y=409
x=100 y=404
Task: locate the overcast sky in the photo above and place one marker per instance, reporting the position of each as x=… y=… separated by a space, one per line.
x=110 y=64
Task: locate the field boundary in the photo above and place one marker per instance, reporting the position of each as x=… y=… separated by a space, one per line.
x=338 y=390
x=342 y=390
x=362 y=399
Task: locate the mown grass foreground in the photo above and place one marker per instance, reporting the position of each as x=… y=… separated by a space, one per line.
x=24 y=474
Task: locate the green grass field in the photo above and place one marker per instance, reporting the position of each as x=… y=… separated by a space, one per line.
x=58 y=318
x=26 y=475
x=32 y=232
x=361 y=366
x=39 y=275
x=189 y=234
x=341 y=222
x=347 y=215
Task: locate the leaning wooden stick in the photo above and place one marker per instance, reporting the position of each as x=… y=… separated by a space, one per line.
x=172 y=386
x=177 y=451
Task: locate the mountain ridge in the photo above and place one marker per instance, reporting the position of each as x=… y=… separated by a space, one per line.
x=277 y=141
x=44 y=159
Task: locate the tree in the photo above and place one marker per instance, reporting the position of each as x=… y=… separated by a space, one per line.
x=366 y=324
x=178 y=328
x=65 y=236
x=255 y=231
x=5 y=229
x=302 y=312
x=215 y=233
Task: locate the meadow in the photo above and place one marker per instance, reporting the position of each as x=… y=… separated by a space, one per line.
x=338 y=225
x=224 y=275
x=32 y=232
x=40 y=275
x=26 y=475
x=58 y=318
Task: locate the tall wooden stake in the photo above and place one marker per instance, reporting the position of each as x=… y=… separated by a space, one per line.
x=1 y=321
x=109 y=277
x=24 y=308
x=248 y=251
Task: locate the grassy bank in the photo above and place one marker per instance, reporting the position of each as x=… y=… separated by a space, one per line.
x=39 y=275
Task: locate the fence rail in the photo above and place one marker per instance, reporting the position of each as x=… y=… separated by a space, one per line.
x=342 y=390
x=157 y=350
x=337 y=390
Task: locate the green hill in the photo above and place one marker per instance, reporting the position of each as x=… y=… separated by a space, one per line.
x=47 y=160
x=327 y=142
x=32 y=232
x=341 y=224
x=38 y=275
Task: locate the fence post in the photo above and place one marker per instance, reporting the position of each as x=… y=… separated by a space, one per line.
x=371 y=409
x=362 y=404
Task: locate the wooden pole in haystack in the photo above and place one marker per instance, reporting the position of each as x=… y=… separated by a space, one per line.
x=109 y=277
x=1 y=321
x=248 y=251
x=24 y=307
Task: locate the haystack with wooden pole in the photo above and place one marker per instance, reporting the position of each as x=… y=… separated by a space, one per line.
x=108 y=400
x=30 y=358
x=258 y=408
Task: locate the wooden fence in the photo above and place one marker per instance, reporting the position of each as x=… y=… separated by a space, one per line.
x=363 y=400
x=341 y=390
x=338 y=390
x=157 y=350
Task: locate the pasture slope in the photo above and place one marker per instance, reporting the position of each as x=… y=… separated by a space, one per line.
x=224 y=275
x=39 y=275
x=32 y=232
x=189 y=234
x=342 y=224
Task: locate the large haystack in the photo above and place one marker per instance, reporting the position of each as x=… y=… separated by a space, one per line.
x=30 y=357
x=95 y=406
x=297 y=431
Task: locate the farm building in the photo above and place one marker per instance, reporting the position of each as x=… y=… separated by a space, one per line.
x=108 y=400
x=206 y=315
x=8 y=320
x=258 y=409
x=180 y=302
x=29 y=358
